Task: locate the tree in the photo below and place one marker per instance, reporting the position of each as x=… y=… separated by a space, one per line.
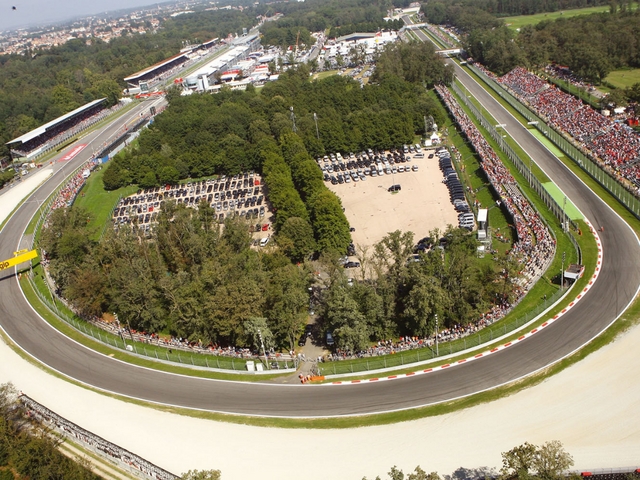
x=329 y=222
x=552 y=461
x=295 y=238
x=547 y=462
x=256 y=328
x=202 y=475
x=517 y=462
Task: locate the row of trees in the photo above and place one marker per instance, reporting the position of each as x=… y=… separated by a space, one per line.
x=590 y=45
x=549 y=461
x=399 y=297
x=202 y=135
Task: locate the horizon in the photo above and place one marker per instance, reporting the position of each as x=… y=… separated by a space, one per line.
x=42 y=13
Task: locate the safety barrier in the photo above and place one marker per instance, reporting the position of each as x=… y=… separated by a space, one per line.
x=525 y=170
x=124 y=459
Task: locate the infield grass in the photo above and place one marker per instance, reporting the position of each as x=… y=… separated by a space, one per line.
x=623 y=78
x=520 y=21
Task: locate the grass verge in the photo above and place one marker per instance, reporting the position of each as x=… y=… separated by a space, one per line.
x=624 y=78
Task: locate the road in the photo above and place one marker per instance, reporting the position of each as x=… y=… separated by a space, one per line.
x=615 y=289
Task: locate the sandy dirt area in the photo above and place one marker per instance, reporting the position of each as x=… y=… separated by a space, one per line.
x=591 y=407
x=422 y=205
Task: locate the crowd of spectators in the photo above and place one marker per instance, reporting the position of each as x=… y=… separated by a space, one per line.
x=128 y=460
x=564 y=73
x=446 y=38
x=68 y=193
x=534 y=247
x=614 y=145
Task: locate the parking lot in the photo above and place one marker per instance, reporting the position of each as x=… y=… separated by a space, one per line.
x=422 y=203
x=241 y=195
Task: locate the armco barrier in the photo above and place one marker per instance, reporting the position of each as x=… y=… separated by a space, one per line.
x=565 y=143
x=124 y=459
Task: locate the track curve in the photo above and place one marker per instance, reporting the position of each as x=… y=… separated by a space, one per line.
x=609 y=296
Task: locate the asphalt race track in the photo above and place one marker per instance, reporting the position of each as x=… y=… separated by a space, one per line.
x=617 y=286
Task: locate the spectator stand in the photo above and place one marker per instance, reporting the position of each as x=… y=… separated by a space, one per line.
x=124 y=459
x=624 y=189
x=43 y=139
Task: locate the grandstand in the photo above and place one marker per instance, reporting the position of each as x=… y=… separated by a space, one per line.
x=204 y=77
x=147 y=78
x=144 y=80
x=44 y=138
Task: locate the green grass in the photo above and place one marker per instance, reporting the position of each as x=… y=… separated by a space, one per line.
x=100 y=202
x=325 y=74
x=522 y=20
x=623 y=78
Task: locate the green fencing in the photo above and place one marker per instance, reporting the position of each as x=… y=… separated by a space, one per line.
x=407 y=357
x=149 y=350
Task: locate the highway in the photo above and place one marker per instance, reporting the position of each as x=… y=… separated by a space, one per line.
x=617 y=286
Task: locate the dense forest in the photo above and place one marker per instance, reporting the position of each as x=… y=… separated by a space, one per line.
x=341 y=17
x=199 y=281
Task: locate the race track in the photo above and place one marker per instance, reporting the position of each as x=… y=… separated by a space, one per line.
x=617 y=286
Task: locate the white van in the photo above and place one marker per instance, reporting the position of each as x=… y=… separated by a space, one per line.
x=264 y=241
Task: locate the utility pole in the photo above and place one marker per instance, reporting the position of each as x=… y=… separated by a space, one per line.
x=562 y=273
x=437 y=353
x=266 y=361
x=315 y=119
x=293 y=120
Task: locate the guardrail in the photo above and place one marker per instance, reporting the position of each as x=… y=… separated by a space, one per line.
x=565 y=143
x=124 y=459
x=166 y=354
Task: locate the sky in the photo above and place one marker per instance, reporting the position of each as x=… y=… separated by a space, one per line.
x=39 y=12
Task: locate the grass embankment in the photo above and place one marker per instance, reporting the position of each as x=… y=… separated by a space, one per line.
x=520 y=21
x=100 y=202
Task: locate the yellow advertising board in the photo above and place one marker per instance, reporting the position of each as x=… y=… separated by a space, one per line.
x=23 y=257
